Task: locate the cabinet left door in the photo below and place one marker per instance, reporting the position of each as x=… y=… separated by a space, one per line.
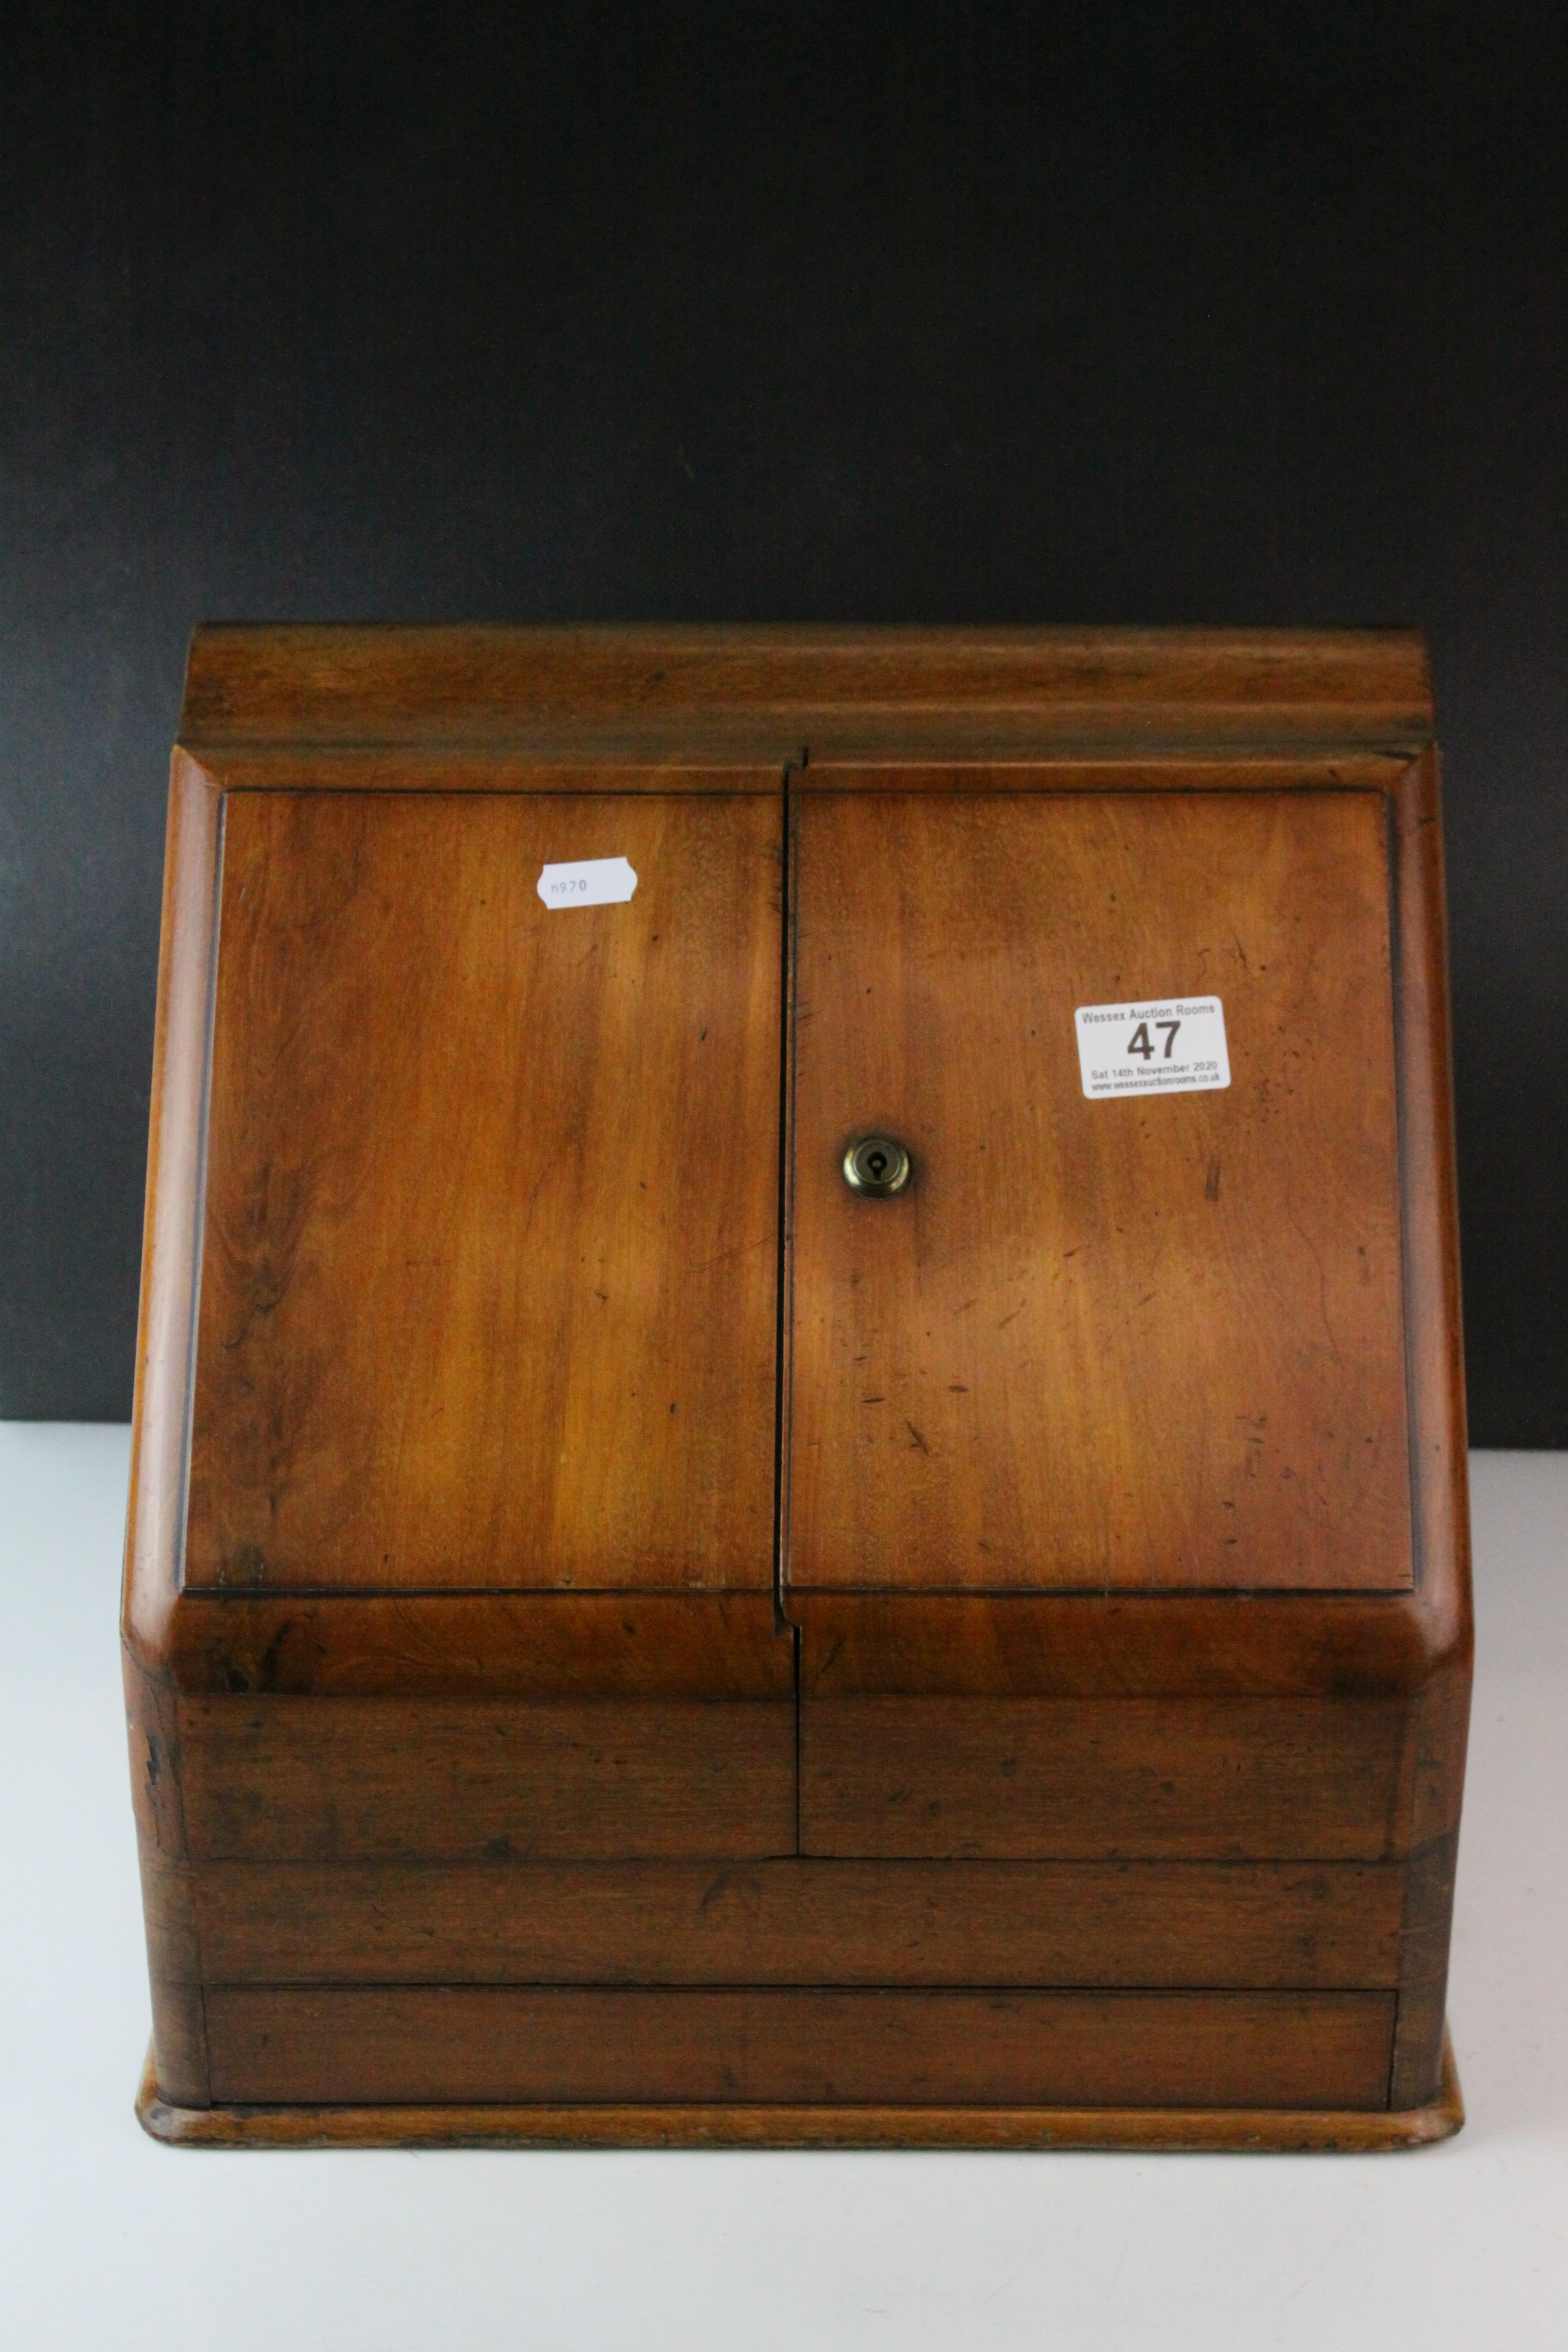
x=489 y=1236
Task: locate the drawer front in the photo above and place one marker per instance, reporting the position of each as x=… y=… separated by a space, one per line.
x=1254 y=1779
x=442 y=1780
x=491 y=2043
x=804 y=1923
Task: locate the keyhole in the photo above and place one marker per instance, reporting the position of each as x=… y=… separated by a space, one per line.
x=876 y=1164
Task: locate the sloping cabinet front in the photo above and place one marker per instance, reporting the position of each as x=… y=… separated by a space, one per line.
x=488 y=1295
x=631 y=1637
x=1146 y=1342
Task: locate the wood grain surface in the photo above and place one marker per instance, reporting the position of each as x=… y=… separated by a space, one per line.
x=538 y=1645
x=822 y=685
x=288 y=1779
x=732 y=2123
x=1116 y=1645
x=469 y=2042
x=1260 y=1779
x=174 y=1964
x=1153 y=1341
x=1068 y=1749
x=794 y=1922
x=476 y=1309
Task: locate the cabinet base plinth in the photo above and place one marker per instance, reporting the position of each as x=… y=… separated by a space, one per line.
x=1192 y=2130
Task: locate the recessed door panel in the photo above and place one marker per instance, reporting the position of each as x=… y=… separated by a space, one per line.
x=1143 y=1339
x=488 y=1284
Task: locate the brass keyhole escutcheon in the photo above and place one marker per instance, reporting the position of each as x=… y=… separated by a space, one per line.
x=876 y=1164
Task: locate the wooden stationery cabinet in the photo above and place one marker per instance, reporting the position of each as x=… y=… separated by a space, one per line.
x=799 y=1460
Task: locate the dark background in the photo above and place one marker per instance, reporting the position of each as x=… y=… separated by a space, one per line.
x=1117 y=314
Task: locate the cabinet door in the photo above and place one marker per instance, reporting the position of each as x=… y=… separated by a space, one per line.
x=488 y=1280
x=1142 y=1340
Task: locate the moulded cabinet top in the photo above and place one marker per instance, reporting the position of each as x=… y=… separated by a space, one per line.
x=701 y=693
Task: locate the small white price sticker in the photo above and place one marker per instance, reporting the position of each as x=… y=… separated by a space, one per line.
x=1157 y=1045
x=591 y=882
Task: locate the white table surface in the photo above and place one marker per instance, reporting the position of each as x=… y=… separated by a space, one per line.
x=109 y=2240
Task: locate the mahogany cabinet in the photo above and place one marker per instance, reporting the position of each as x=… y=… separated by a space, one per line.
x=799 y=1464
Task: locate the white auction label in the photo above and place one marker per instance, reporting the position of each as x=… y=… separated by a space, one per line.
x=591 y=882
x=1161 y=1045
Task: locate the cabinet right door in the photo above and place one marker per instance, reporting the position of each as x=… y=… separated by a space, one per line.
x=1136 y=1319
